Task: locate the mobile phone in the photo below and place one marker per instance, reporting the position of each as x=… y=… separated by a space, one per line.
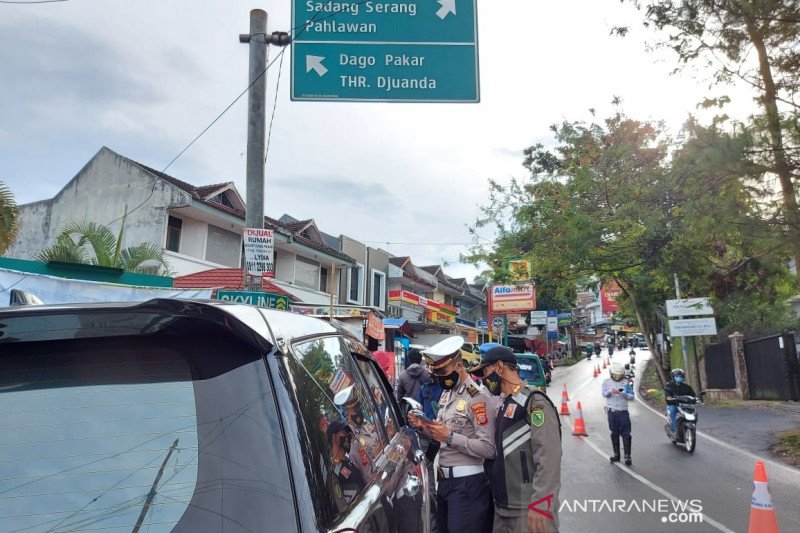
x=422 y=417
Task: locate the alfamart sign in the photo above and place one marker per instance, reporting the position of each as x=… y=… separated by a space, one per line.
x=512 y=298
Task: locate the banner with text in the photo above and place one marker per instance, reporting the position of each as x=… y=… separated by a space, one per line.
x=259 y=252
x=512 y=298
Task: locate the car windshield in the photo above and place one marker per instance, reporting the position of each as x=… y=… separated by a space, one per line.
x=529 y=369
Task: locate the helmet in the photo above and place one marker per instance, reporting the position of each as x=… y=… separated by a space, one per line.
x=677 y=372
x=617 y=371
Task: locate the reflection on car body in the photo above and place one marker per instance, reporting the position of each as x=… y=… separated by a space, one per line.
x=123 y=414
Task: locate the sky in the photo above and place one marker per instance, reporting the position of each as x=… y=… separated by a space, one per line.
x=145 y=77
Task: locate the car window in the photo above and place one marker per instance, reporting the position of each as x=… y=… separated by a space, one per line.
x=347 y=437
x=383 y=406
x=529 y=369
x=100 y=435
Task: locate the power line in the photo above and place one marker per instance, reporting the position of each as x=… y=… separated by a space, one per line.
x=31 y=1
x=274 y=108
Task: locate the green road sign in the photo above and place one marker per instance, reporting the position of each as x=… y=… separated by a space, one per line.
x=260 y=299
x=398 y=51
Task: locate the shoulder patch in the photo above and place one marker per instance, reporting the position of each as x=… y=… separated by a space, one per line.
x=537 y=418
x=479 y=408
x=473 y=391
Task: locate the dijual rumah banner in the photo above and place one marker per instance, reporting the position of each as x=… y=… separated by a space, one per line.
x=608 y=298
x=54 y=290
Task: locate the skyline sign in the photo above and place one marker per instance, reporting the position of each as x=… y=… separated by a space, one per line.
x=268 y=300
x=400 y=51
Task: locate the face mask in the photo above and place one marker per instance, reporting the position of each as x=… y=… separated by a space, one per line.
x=492 y=382
x=449 y=381
x=678 y=379
x=344 y=443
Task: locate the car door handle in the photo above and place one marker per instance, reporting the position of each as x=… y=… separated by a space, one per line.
x=412 y=486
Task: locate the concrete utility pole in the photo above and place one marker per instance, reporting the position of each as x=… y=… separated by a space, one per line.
x=256 y=118
x=683 y=339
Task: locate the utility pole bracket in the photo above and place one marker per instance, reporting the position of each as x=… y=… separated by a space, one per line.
x=278 y=38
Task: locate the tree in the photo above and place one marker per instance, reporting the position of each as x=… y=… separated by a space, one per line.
x=754 y=42
x=95 y=244
x=9 y=218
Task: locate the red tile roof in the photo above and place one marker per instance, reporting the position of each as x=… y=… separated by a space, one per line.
x=224 y=278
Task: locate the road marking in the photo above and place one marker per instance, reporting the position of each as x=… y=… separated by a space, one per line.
x=662 y=491
x=732 y=447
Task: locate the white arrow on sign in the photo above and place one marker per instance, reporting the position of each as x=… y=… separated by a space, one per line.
x=315 y=63
x=448 y=6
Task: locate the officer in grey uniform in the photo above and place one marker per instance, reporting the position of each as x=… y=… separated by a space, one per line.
x=465 y=427
x=526 y=475
x=367 y=440
x=618 y=391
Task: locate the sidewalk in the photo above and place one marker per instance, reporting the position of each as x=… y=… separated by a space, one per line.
x=748 y=424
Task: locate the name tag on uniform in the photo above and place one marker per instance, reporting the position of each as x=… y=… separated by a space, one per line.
x=510 y=410
x=461 y=406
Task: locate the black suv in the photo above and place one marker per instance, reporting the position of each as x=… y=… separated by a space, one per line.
x=193 y=416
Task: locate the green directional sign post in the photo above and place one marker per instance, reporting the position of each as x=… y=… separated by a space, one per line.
x=390 y=51
x=260 y=299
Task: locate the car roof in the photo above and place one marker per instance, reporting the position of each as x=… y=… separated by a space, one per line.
x=47 y=322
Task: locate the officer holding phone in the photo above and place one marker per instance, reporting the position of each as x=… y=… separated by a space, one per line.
x=465 y=428
x=618 y=391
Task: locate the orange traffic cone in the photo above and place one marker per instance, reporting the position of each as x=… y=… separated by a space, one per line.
x=594 y=372
x=564 y=393
x=580 y=426
x=762 y=514
x=564 y=407
x=604 y=364
x=598 y=370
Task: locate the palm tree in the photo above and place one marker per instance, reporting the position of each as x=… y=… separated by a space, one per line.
x=90 y=243
x=9 y=218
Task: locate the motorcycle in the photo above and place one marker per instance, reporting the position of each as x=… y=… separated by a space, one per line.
x=685 y=422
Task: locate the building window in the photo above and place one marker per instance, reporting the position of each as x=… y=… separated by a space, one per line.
x=323 y=279
x=223 y=199
x=223 y=246
x=378 y=289
x=306 y=273
x=355 y=285
x=174 y=226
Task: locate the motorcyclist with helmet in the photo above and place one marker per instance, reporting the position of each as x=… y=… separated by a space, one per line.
x=676 y=387
x=618 y=391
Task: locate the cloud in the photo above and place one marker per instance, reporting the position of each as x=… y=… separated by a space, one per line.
x=342 y=193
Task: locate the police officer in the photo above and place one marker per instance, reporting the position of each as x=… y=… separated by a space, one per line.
x=366 y=436
x=527 y=469
x=618 y=391
x=349 y=478
x=465 y=429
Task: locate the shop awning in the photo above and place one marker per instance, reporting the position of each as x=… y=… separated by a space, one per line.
x=400 y=324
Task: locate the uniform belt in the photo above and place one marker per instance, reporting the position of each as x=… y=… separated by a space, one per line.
x=459 y=471
x=610 y=410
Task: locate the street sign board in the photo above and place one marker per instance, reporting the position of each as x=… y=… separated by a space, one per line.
x=399 y=51
x=692 y=327
x=552 y=324
x=497 y=322
x=538 y=318
x=259 y=252
x=689 y=307
x=257 y=298
x=512 y=298
x=482 y=324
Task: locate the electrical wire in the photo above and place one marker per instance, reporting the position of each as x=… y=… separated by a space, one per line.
x=31 y=1
x=274 y=108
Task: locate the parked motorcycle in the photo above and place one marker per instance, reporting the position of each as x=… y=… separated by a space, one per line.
x=685 y=422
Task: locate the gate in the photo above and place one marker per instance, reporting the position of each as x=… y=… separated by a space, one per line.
x=719 y=366
x=772 y=367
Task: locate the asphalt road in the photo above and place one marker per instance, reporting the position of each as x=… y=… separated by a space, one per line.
x=647 y=497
